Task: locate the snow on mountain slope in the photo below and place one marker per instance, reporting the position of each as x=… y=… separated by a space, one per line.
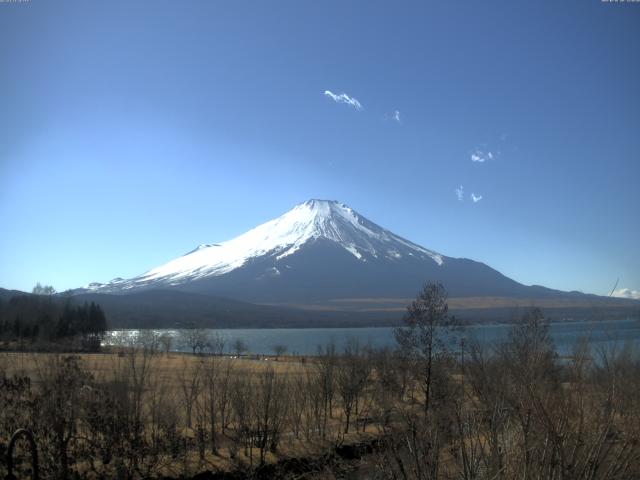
x=280 y=238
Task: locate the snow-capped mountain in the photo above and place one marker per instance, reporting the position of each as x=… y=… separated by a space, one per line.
x=318 y=250
x=277 y=239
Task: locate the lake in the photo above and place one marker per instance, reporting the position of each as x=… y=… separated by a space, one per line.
x=305 y=341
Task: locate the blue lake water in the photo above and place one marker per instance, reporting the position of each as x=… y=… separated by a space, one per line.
x=305 y=341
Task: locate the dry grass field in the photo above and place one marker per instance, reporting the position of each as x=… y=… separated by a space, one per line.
x=177 y=385
x=518 y=411
x=168 y=366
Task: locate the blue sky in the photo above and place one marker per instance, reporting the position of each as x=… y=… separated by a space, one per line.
x=132 y=131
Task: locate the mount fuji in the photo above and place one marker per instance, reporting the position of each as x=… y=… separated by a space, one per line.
x=320 y=251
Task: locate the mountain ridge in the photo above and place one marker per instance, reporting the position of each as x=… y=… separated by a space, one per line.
x=318 y=251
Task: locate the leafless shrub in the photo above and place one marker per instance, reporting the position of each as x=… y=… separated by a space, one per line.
x=353 y=371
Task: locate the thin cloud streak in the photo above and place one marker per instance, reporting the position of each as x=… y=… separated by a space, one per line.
x=343 y=98
x=460 y=193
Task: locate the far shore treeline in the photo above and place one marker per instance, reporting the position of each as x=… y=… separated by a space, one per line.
x=44 y=321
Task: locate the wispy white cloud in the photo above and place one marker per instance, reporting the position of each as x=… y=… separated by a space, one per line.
x=389 y=117
x=476 y=198
x=626 y=293
x=481 y=156
x=343 y=98
x=460 y=193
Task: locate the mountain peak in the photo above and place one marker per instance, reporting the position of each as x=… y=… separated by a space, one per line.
x=305 y=224
x=323 y=208
x=319 y=201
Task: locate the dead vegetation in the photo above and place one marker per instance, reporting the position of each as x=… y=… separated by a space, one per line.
x=431 y=409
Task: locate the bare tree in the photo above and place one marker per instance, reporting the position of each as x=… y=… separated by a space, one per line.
x=216 y=344
x=268 y=411
x=166 y=340
x=298 y=395
x=58 y=405
x=239 y=347
x=352 y=374
x=325 y=367
x=148 y=340
x=425 y=333
x=390 y=383
x=279 y=350
x=190 y=386
x=136 y=376
x=197 y=339
x=314 y=409
x=212 y=371
x=204 y=399
x=240 y=401
x=223 y=392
